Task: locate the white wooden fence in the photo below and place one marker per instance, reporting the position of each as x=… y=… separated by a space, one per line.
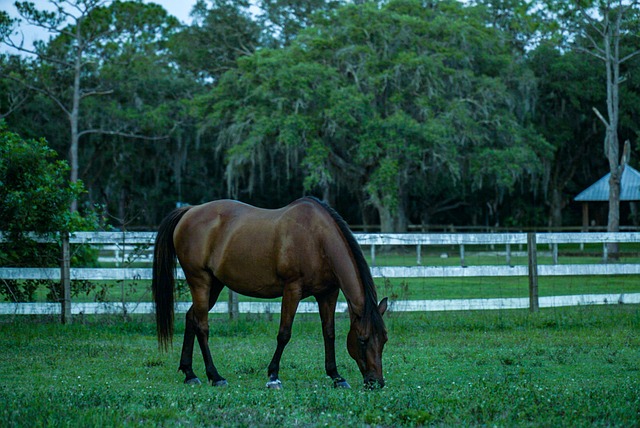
x=124 y=242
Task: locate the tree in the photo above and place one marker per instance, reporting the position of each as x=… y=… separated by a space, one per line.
x=608 y=50
x=218 y=36
x=567 y=83
x=35 y=191
x=67 y=70
x=383 y=99
x=605 y=29
x=284 y=19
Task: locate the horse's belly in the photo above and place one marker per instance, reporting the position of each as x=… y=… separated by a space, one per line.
x=252 y=283
x=255 y=289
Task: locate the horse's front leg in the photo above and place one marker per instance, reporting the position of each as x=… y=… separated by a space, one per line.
x=327 y=308
x=290 y=301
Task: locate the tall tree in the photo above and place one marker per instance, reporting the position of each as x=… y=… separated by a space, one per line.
x=284 y=19
x=605 y=29
x=67 y=69
x=383 y=98
x=222 y=31
x=568 y=82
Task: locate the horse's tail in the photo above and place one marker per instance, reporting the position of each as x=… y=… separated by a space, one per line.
x=162 y=285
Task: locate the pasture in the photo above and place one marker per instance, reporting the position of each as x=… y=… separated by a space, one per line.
x=559 y=367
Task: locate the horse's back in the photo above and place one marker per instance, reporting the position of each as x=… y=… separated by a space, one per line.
x=256 y=251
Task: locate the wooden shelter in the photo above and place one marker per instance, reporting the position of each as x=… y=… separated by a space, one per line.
x=599 y=191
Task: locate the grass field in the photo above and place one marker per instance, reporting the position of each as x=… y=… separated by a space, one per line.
x=559 y=367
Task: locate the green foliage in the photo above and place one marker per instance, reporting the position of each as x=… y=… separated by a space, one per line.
x=420 y=111
x=422 y=91
x=35 y=192
x=220 y=34
x=35 y=195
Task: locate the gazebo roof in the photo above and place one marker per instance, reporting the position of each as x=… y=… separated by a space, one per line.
x=599 y=191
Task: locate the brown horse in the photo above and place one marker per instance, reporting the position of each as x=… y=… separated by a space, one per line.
x=304 y=249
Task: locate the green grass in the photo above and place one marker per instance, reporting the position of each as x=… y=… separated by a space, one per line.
x=559 y=367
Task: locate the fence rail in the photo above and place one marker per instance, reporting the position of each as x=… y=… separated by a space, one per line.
x=126 y=241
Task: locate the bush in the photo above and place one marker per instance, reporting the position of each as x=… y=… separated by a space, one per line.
x=35 y=196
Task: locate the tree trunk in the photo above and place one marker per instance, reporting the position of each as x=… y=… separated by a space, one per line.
x=386 y=220
x=612 y=148
x=74 y=117
x=392 y=220
x=613 y=224
x=555 y=214
x=611 y=34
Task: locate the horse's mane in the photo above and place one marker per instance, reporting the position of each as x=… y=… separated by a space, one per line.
x=370 y=296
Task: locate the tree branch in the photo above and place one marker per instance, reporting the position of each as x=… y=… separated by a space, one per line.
x=94 y=93
x=601 y=117
x=631 y=55
x=43 y=91
x=590 y=52
x=20 y=47
x=446 y=205
x=14 y=105
x=123 y=134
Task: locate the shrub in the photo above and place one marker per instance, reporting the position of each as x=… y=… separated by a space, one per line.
x=35 y=196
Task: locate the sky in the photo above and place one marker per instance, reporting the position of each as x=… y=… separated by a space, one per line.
x=178 y=8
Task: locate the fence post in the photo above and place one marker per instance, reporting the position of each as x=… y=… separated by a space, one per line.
x=234 y=309
x=533 y=272
x=65 y=279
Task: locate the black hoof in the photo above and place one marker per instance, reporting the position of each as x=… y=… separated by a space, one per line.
x=193 y=381
x=274 y=384
x=221 y=382
x=341 y=383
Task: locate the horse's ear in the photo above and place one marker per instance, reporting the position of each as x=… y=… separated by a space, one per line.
x=382 y=307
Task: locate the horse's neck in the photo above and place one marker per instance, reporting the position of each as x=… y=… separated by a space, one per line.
x=349 y=280
x=343 y=263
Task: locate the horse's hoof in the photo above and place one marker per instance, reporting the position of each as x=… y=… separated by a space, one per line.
x=193 y=381
x=222 y=382
x=274 y=384
x=341 y=384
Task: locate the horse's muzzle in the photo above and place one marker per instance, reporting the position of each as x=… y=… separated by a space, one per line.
x=371 y=382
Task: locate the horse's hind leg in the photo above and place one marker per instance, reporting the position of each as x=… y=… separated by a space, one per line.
x=186 y=359
x=197 y=325
x=327 y=309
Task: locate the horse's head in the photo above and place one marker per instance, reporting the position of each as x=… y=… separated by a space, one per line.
x=365 y=343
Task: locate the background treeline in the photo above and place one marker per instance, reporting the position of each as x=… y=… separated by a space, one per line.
x=397 y=112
